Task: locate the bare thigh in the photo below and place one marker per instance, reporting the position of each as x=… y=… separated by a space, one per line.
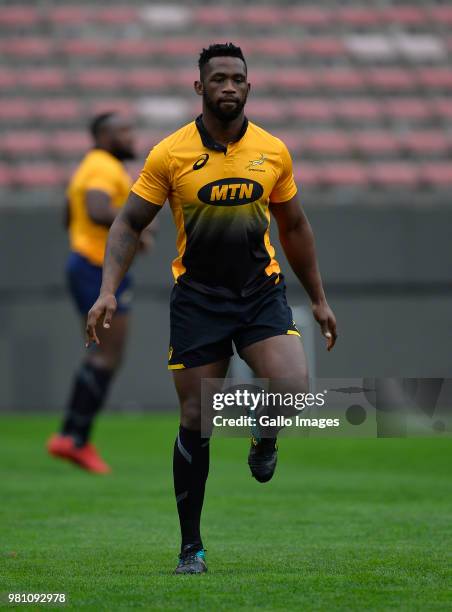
x=188 y=387
x=109 y=353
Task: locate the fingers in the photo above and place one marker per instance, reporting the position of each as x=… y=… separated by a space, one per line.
x=109 y=312
x=331 y=334
x=90 y=331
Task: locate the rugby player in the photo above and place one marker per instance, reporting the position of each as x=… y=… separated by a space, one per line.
x=97 y=190
x=223 y=176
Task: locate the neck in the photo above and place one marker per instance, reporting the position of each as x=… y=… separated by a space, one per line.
x=223 y=132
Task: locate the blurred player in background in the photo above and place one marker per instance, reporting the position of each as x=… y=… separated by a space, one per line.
x=223 y=176
x=97 y=190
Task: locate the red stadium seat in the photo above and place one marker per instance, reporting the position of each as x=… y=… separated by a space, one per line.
x=407 y=15
x=272 y=110
x=261 y=79
x=441 y=13
x=67 y=142
x=294 y=79
x=148 y=79
x=292 y=139
x=358 y=17
x=376 y=142
x=391 y=79
x=213 y=15
x=408 y=109
x=442 y=108
x=185 y=78
x=310 y=16
x=394 y=175
x=307 y=175
x=38 y=175
x=5 y=176
x=26 y=46
x=344 y=174
x=327 y=142
x=18 y=16
x=118 y=105
x=122 y=15
x=58 y=109
x=426 y=142
x=323 y=47
x=311 y=109
x=435 y=78
x=261 y=15
x=130 y=47
x=274 y=47
x=358 y=109
x=15 y=109
x=99 y=79
x=179 y=46
x=69 y=15
x=43 y=78
x=342 y=79
x=437 y=174
x=90 y=47
x=8 y=79
x=24 y=142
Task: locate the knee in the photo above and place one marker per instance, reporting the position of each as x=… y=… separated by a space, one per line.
x=105 y=361
x=191 y=414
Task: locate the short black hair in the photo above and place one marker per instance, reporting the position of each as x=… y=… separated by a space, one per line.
x=220 y=50
x=98 y=123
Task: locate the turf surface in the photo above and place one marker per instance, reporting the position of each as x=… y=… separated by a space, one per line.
x=345 y=525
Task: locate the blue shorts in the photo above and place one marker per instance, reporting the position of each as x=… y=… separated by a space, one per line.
x=84 y=279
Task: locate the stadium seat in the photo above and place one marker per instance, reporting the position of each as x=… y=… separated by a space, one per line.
x=370 y=47
x=180 y=46
x=357 y=16
x=58 y=109
x=391 y=79
x=69 y=142
x=426 y=142
x=344 y=174
x=421 y=48
x=307 y=175
x=99 y=79
x=89 y=47
x=342 y=79
x=442 y=107
x=327 y=143
x=164 y=16
x=118 y=105
x=309 y=16
x=409 y=15
x=26 y=47
x=376 y=142
x=325 y=47
x=435 y=78
x=261 y=15
x=43 y=78
x=5 y=176
x=131 y=47
x=12 y=109
x=394 y=174
x=293 y=79
x=8 y=79
x=148 y=80
x=291 y=138
x=358 y=109
x=18 y=16
x=438 y=174
x=311 y=109
x=24 y=142
x=37 y=175
x=122 y=15
x=407 y=109
x=270 y=110
x=71 y=15
x=274 y=47
x=212 y=15
x=441 y=13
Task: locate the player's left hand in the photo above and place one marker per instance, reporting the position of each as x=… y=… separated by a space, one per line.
x=327 y=321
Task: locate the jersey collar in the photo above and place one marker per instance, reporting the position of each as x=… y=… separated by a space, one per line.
x=209 y=142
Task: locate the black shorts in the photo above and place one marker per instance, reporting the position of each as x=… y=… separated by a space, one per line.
x=203 y=327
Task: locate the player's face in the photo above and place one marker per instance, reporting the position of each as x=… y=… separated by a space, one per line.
x=224 y=87
x=122 y=139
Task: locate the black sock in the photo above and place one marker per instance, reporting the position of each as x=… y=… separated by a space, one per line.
x=190 y=471
x=89 y=391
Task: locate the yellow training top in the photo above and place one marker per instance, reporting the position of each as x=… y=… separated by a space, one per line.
x=219 y=198
x=98 y=170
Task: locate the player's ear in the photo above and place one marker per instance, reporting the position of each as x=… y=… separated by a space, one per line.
x=198 y=87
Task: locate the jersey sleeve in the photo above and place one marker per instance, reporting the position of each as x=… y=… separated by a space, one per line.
x=154 y=182
x=285 y=187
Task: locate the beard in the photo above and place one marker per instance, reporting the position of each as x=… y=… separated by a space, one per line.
x=223 y=115
x=124 y=154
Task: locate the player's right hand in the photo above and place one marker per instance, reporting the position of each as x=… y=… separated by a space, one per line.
x=105 y=306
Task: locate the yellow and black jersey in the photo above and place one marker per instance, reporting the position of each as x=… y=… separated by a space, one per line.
x=219 y=197
x=97 y=170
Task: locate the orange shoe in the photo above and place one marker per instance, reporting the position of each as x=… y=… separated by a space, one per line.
x=85 y=456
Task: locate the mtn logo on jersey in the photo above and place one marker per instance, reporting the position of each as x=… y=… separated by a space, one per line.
x=231 y=192
x=201 y=162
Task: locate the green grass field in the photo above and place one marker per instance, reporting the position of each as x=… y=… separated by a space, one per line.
x=344 y=525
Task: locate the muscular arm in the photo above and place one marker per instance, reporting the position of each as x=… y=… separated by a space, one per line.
x=122 y=243
x=99 y=208
x=297 y=240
